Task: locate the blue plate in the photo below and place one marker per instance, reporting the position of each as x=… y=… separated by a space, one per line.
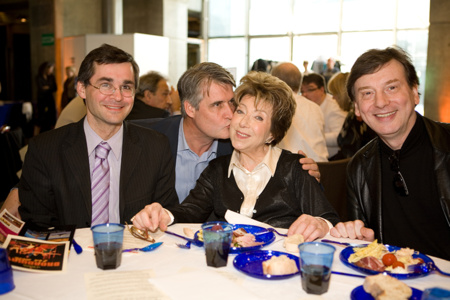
x=261 y=235
x=345 y=254
x=250 y=263
x=359 y=293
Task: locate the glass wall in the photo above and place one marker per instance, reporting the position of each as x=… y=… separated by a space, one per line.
x=242 y=31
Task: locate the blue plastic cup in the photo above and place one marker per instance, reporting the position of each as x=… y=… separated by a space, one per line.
x=6 y=273
x=436 y=293
x=108 y=241
x=217 y=238
x=315 y=263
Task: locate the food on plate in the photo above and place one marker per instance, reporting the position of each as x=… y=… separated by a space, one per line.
x=373 y=249
x=291 y=242
x=376 y=257
x=389 y=259
x=372 y=263
x=241 y=238
x=279 y=265
x=384 y=287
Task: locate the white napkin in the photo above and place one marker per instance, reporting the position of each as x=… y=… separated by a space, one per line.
x=235 y=218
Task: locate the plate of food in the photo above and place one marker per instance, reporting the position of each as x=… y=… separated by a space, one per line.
x=386 y=287
x=378 y=258
x=245 y=238
x=267 y=264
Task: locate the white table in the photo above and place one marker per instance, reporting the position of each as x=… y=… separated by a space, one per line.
x=183 y=274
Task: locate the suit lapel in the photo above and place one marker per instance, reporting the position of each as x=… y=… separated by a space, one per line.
x=131 y=153
x=75 y=153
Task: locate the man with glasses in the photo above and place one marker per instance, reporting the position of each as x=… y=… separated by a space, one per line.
x=99 y=169
x=399 y=183
x=313 y=88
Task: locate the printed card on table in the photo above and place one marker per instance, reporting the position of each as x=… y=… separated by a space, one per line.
x=35 y=255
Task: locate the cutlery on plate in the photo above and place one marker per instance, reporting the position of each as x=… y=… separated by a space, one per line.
x=269 y=230
x=342 y=243
x=182 y=246
x=148 y=248
x=77 y=247
x=347 y=274
x=426 y=268
x=274 y=230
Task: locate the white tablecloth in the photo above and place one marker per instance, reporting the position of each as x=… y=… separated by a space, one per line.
x=183 y=274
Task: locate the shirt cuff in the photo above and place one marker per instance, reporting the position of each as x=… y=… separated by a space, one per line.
x=172 y=218
x=328 y=223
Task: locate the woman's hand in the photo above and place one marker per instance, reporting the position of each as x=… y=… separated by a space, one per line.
x=151 y=217
x=310 y=227
x=353 y=230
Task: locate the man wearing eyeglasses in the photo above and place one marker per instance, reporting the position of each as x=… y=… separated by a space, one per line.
x=99 y=169
x=313 y=88
x=399 y=183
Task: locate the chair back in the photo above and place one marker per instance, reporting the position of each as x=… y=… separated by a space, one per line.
x=333 y=177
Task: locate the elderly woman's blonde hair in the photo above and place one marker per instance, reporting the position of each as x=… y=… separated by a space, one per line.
x=273 y=91
x=337 y=87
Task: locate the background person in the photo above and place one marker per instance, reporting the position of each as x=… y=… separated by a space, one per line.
x=46 y=108
x=69 y=91
x=307 y=131
x=354 y=133
x=258 y=180
x=152 y=98
x=313 y=88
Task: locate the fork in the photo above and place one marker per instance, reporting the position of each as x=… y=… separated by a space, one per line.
x=182 y=246
x=426 y=268
x=274 y=230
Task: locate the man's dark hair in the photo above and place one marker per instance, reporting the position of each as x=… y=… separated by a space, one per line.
x=149 y=82
x=315 y=78
x=374 y=59
x=103 y=55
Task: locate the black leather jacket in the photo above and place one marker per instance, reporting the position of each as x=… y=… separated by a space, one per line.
x=290 y=193
x=364 y=178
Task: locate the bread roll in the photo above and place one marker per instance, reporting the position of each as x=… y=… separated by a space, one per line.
x=279 y=265
x=291 y=242
x=385 y=287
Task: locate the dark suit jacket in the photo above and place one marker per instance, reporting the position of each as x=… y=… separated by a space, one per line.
x=170 y=126
x=143 y=111
x=290 y=193
x=55 y=187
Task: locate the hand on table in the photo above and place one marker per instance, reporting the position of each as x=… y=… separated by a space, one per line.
x=310 y=227
x=151 y=217
x=310 y=165
x=353 y=230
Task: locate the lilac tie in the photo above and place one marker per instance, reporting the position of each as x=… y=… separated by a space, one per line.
x=100 y=185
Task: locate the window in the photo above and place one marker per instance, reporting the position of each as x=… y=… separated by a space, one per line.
x=242 y=31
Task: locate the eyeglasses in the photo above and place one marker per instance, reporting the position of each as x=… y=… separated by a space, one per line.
x=399 y=182
x=108 y=89
x=309 y=90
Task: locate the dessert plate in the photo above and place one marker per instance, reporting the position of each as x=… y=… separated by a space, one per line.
x=250 y=263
